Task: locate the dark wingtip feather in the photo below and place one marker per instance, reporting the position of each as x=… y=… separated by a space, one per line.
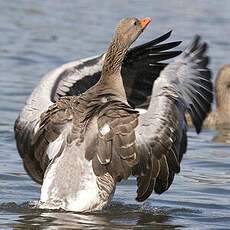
x=148 y=192
x=163 y=37
x=196 y=51
x=136 y=50
x=163 y=46
x=193 y=45
x=164 y=55
x=160 y=187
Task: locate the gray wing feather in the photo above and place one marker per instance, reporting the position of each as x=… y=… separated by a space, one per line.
x=183 y=86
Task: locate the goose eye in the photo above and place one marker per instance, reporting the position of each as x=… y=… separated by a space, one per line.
x=135 y=23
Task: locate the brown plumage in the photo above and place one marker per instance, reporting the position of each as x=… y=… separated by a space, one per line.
x=106 y=101
x=107 y=151
x=142 y=64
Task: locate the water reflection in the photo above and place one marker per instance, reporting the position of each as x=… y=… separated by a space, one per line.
x=119 y=216
x=47 y=220
x=222 y=135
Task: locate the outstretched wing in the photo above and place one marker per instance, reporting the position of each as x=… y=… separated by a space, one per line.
x=183 y=86
x=54 y=126
x=142 y=66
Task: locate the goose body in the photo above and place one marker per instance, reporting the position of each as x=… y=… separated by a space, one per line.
x=141 y=66
x=79 y=146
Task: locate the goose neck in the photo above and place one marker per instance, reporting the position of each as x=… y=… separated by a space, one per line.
x=111 y=71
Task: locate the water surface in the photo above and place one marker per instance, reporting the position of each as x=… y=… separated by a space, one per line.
x=37 y=36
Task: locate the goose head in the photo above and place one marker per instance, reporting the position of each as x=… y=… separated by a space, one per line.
x=128 y=30
x=222 y=89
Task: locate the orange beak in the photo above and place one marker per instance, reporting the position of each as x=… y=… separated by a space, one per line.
x=144 y=22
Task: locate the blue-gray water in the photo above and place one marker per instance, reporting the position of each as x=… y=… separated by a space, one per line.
x=36 y=36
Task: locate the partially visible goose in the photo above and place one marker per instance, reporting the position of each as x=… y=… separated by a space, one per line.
x=83 y=145
x=221 y=115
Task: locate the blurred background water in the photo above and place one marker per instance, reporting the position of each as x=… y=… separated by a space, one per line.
x=36 y=36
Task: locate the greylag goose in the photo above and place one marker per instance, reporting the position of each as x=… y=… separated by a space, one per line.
x=140 y=67
x=220 y=117
x=83 y=145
